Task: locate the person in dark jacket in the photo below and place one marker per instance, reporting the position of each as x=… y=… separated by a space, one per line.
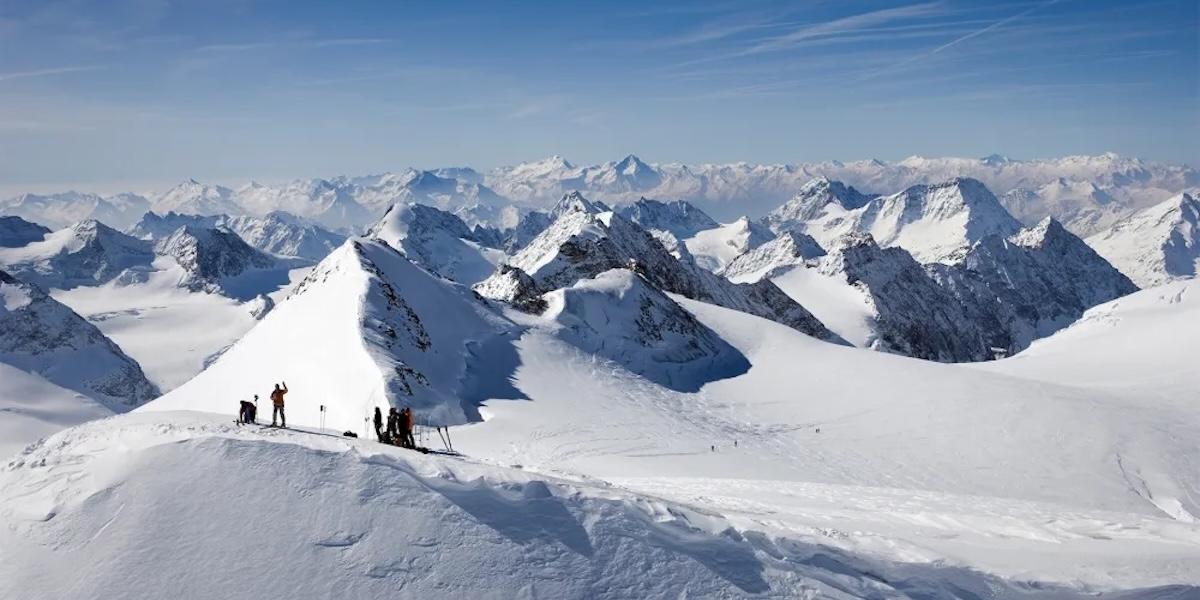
x=393 y=426
x=378 y=424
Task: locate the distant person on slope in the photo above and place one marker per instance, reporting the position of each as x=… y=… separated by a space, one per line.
x=407 y=422
x=254 y=410
x=378 y=424
x=277 y=400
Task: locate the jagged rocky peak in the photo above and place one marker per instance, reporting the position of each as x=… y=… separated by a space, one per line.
x=209 y=255
x=1030 y=284
x=913 y=315
x=580 y=245
x=678 y=217
x=16 y=232
x=576 y=202
x=153 y=226
x=812 y=200
x=513 y=286
x=41 y=335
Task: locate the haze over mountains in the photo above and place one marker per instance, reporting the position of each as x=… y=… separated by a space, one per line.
x=599 y=326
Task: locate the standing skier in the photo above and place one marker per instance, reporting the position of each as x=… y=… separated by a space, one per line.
x=393 y=426
x=378 y=424
x=407 y=422
x=277 y=401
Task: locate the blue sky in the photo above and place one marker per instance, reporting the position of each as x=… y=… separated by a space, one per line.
x=117 y=93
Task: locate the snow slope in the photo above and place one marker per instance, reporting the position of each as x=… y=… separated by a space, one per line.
x=1157 y=244
x=365 y=328
x=172 y=332
x=109 y=510
x=1145 y=344
x=32 y=408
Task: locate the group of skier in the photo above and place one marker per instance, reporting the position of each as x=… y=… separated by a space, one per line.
x=397 y=430
x=399 y=427
x=248 y=411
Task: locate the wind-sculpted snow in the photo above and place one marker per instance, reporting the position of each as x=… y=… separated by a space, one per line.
x=87 y=253
x=1031 y=284
x=40 y=335
x=437 y=240
x=583 y=243
x=620 y=316
x=104 y=509
x=16 y=232
x=365 y=328
x=679 y=218
x=1155 y=245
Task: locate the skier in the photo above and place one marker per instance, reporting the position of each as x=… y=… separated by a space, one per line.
x=244 y=408
x=277 y=400
x=407 y=422
x=254 y=410
x=393 y=426
x=378 y=424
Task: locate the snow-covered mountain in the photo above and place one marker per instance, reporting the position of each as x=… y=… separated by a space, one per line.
x=365 y=328
x=677 y=217
x=1157 y=244
x=788 y=249
x=587 y=240
x=714 y=248
x=816 y=199
x=1081 y=206
x=16 y=232
x=728 y=190
x=282 y=234
x=40 y=335
x=194 y=198
x=212 y=258
x=935 y=223
x=63 y=209
x=877 y=298
x=472 y=202
x=86 y=253
x=1030 y=284
x=620 y=316
x=436 y=240
x=912 y=314
x=278 y=233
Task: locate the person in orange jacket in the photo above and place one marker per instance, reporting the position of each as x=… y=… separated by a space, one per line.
x=277 y=400
x=408 y=428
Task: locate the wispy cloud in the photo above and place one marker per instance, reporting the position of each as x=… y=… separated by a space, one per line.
x=844 y=25
x=958 y=40
x=46 y=72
